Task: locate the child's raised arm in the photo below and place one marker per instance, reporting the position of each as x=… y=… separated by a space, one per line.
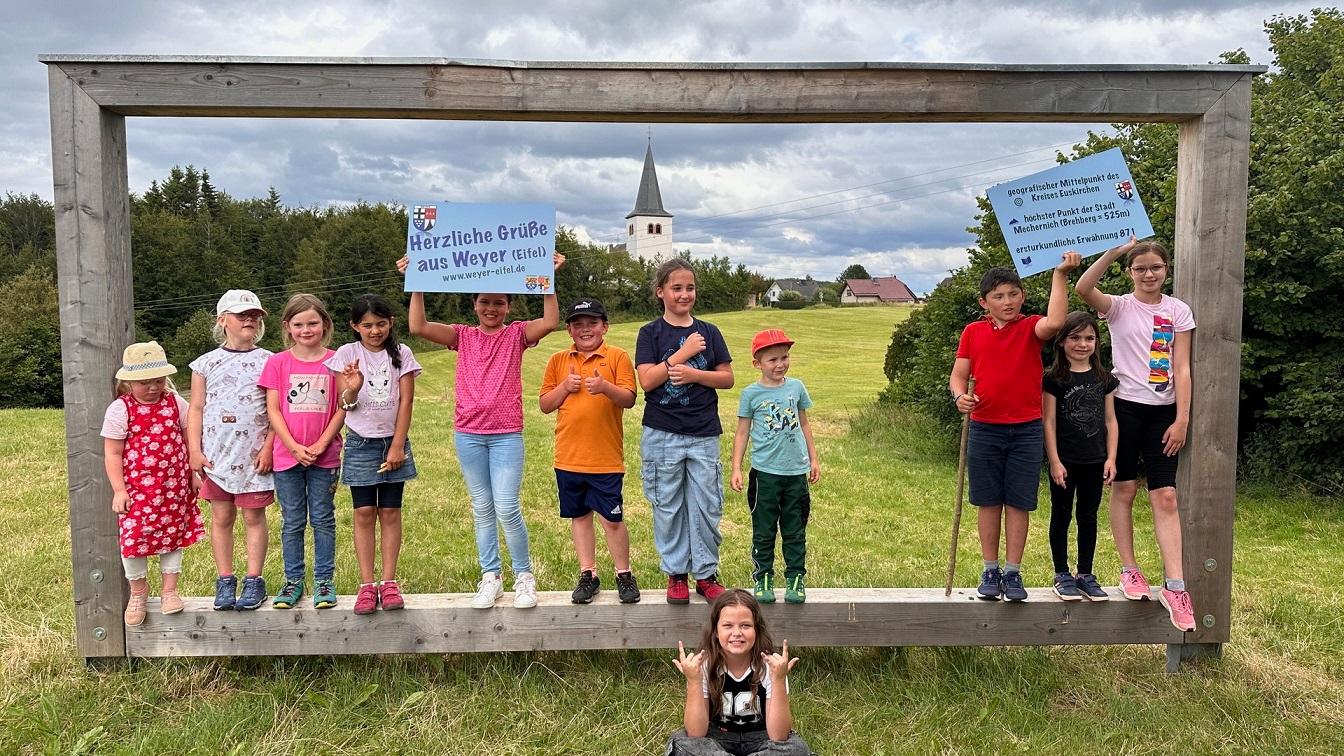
x=778 y=718
x=543 y=326
x=1087 y=283
x=1058 y=309
x=439 y=333
x=696 y=718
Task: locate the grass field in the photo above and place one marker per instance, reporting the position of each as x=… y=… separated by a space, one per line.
x=880 y=517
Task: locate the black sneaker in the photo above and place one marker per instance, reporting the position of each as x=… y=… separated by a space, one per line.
x=586 y=589
x=1012 y=587
x=991 y=584
x=627 y=588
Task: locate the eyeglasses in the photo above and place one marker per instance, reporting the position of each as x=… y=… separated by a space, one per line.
x=1145 y=270
x=250 y=315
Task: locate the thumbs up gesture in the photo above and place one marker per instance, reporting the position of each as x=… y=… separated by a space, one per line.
x=595 y=385
x=572 y=381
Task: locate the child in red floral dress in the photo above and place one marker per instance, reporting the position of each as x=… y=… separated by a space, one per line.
x=153 y=490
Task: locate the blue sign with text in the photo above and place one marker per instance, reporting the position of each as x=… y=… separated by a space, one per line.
x=1086 y=206
x=474 y=248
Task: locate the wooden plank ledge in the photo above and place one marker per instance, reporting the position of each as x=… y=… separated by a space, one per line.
x=447 y=623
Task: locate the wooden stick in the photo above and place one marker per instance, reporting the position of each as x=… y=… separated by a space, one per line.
x=961 y=491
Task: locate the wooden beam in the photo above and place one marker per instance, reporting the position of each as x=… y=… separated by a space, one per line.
x=446 y=623
x=93 y=261
x=1214 y=155
x=756 y=93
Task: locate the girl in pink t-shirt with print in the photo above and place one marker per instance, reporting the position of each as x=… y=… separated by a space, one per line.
x=306 y=418
x=488 y=427
x=1150 y=347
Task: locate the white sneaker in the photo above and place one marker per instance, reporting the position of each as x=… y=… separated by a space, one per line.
x=487 y=591
x=524 y=591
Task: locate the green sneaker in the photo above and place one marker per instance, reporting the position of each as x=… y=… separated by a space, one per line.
x=324 y=594
x=794 y=592
x=289 y=595
x=765 y=589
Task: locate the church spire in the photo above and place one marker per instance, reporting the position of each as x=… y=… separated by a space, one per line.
x=650 y=201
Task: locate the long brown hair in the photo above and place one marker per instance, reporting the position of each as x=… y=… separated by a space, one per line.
x=709 y=643
x=1059 y=369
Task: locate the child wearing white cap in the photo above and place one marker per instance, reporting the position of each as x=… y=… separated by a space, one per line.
x=229 y=441
x=153 y=490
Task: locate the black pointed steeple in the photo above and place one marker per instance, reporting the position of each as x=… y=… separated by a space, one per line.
x=650 y=200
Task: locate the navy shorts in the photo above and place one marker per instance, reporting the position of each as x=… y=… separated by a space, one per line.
x=1004 y=463
x=362 y=457
x=581 y=493
x=1141 y=429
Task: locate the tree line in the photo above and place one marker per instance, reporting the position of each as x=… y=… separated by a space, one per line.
x=191 y=241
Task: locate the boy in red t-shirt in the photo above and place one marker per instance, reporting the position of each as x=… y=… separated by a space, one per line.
x=1005 y=447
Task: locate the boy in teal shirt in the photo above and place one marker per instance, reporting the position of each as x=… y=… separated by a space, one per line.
x=773 y=414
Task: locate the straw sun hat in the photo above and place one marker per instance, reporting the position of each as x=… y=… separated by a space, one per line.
x=143 y=362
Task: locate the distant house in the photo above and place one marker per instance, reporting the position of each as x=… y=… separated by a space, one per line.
x=883 y=290
x=805 y=286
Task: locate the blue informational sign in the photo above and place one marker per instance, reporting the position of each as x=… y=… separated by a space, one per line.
x=476 y=248
x=1086 y=206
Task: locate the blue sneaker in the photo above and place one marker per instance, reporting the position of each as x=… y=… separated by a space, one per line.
x=1066 y=587
x=226 y=589
x=1090 y=588
x=1012 y=587
x=254 y=593
x=991 y=584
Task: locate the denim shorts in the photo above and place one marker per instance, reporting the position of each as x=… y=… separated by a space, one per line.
x=363 y=456
x=1004 y=463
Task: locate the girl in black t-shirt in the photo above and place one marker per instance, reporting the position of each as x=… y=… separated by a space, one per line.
x=737 y=687
x=1078 y=408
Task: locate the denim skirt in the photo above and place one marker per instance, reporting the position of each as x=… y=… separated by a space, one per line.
x=363 y=456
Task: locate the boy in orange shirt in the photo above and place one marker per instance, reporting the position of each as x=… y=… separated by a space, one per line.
x=591 y=384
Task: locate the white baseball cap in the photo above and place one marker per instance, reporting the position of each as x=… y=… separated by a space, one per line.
x=238 y=300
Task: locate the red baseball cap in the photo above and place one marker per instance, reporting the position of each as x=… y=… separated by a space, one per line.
x=768 y=338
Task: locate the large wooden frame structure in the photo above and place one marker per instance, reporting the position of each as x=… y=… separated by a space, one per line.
x=92 y=95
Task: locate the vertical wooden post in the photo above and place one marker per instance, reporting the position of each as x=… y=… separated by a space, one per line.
x=1210 y=253
x=93 y=258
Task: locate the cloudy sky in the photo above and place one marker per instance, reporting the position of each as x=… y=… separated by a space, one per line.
x=788 y=200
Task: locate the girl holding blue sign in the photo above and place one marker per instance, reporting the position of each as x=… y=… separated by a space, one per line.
x=488 y=427
x=1150 y=347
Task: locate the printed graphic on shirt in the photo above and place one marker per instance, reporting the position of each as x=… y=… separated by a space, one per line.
x=1084 y=407
x=308 y=392
x=779 y=417
x=740 y=708
x=1159 y=354
x=378 y=384
x=681 y=393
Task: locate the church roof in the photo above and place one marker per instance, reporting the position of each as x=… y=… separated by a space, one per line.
x=650 y=200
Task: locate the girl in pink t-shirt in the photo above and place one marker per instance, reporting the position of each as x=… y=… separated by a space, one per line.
x=1150 y=347
x=306 y=419
x=488 y=427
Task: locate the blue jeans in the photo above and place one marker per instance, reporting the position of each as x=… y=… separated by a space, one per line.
x=492 y=466
x=307 y=497
x=683 y=480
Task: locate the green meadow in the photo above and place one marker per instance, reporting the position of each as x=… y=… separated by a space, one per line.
x=881 y=514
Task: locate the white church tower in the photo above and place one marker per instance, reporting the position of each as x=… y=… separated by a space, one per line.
x=649 y=226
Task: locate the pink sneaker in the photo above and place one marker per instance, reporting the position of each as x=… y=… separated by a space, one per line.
x=389 y=595
x=1135 y=585
x=366 y=601
x=1178 y=604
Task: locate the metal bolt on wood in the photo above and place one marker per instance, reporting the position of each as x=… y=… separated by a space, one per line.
x=1208 y=620
x=96 y=576
x=99 y=633
x=1210 y=565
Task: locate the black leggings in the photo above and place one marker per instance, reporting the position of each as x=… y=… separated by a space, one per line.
x=382 y=495
x=1085 y=480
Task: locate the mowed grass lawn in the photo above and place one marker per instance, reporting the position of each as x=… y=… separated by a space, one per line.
x=880 y=518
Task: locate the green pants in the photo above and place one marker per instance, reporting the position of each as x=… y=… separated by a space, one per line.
x=778 y=503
